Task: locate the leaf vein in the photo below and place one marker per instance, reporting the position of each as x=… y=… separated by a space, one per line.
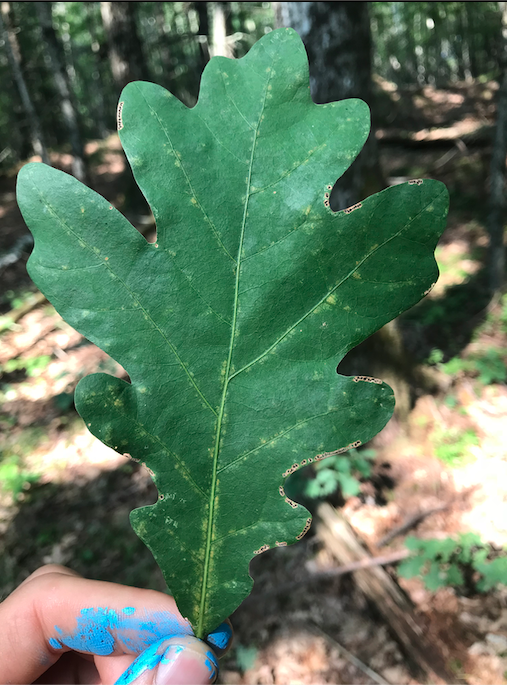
x=189 y=182
x=329 y=292
x=173 y=349
x=290 y=171
x=274 y=439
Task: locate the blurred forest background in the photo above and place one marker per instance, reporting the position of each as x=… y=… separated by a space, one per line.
x=423 y=508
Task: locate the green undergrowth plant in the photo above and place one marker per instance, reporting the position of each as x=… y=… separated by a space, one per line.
x=462 y=561
x=343 y=472
x=452 y=446
x=232 y=324
x=13 y=477
x=488 y=366
x=32 y=366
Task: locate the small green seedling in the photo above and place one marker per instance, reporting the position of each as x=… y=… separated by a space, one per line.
x=447 y=562
x=232 y=324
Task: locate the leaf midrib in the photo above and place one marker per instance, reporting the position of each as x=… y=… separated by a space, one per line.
x=211 y=506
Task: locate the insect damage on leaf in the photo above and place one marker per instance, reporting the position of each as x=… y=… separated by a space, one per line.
x=231 y=327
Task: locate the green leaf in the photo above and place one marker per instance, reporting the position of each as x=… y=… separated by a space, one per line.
x=349 y=485
x=231 y=326
x=435 y=578
x=494 y=573
x=414 y=544
x=411 y=567
x=454 y=576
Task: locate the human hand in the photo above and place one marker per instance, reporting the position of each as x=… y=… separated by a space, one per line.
x=57 y=627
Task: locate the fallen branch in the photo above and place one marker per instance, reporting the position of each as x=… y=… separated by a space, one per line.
x=423 y=656
x=363 y=563
x=410 y=523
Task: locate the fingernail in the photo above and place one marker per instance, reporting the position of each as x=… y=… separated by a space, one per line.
x=220 y=638
x=182 y=660
x=187 y=661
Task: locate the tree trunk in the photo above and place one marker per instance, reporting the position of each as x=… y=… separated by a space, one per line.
x=99 y=105
x=13 y=55
x=62 y=85
x=338 y=41
x=496 y=217
x=203 y=36
x=219 y=45
x=128 y=64
x=126 y=54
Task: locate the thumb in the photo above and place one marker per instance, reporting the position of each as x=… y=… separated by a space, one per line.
x=178 y=660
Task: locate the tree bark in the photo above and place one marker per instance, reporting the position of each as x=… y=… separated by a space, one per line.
x=60 y=78
x=338 y=42
x=126 y=54
x=13 y=56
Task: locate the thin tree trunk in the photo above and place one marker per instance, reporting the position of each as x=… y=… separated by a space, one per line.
x=13 y=55
x=126 y=54
x=203 y=37
x=99 y=106
x=465 y=65
x=220 y=46
x=496 y=217
x=338 y=41
x=62 y=85
x=128 y=64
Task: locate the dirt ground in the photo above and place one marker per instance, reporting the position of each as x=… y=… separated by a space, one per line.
x=61 y=484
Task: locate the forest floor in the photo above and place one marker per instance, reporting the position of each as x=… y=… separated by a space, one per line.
x=58 y=484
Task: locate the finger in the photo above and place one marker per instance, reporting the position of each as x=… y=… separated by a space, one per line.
x=50 y=568
x=197 y=662
x=53 y=612
x=71 y=668
x=178 y=660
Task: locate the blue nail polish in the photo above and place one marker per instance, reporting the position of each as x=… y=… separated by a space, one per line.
x=148 y=660
x=220 y=637
x=212 y=665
